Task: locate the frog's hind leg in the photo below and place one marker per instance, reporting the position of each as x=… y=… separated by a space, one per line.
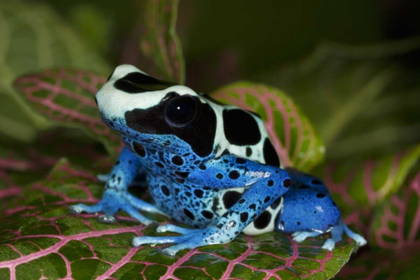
x=337 y=235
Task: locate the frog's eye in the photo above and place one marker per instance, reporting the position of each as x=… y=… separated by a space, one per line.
x=180 y=110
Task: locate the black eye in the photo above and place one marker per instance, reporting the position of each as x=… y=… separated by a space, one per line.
x=180 y=110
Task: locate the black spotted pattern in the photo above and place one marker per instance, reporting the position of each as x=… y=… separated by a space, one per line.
x=270 y=154
x=137 y=82
x=230 y=198
x=263 y=220
x=240 y=128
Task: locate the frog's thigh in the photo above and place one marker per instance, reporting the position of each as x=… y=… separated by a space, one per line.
x=266 y=222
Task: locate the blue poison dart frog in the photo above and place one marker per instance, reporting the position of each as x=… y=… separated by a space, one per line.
x=208 y=165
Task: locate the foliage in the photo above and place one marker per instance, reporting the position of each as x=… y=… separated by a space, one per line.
x=342 y=100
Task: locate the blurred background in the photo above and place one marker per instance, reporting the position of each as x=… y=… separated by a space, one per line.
x=352 y=66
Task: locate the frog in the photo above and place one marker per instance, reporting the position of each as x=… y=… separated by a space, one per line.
x=208 y=165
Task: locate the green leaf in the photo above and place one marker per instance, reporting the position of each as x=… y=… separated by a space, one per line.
x=396 y=224
x=159 y=42
x=362 y=99
x=33 y=39
x=382 y=264
x=39 y=237
x=67 y=97
x=294 y=138
x=358 y=185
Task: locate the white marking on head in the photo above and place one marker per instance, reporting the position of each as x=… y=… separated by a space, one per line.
x=114 y=103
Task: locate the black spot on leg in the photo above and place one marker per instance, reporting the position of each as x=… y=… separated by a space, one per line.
x=320 y=195
x=240 y=128
x=165 y=190
x=270 y=183
x=139 y=149
x=267 y=199
x=198 y=193
x=177 y=160
x=202 y=167
x=270 y=154
x=263 y=220
x=244 y=217
x=189 y=214
x=219 y=176
x=207 y=214
x=286 y=183
x=230 y=198
x=302 y=187
x=158 y=164
x=275 y=203
x=233 y=174
x=182 y=174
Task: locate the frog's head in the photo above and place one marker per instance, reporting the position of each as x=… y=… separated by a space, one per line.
x=160 y=114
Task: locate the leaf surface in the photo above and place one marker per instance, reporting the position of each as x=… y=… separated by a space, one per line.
x=66 y=96
x=34 y=38
x=159 y=42
x=358 y=186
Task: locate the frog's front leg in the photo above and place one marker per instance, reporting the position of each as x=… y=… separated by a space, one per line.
x=116 y=197
x=263 y=183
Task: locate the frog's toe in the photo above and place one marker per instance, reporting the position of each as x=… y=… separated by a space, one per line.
x=102 y=177
x=177 y=229
x=356 y=237
x=329 y=245
x=107 y=219
x=79 y=208
x=301 y=236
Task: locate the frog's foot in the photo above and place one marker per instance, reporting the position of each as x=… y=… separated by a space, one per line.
x=189 y=238
x=113 y=201
x=102 y=177
x=300 y=236
x=337 y=234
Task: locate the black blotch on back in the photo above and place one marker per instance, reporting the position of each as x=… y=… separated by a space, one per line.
x=270 y=154
x=263 y=220
x=240 y=128
x=137 y=82
x=248 y=151
x=200 y=140
x=316 y=182
x=230 y=198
